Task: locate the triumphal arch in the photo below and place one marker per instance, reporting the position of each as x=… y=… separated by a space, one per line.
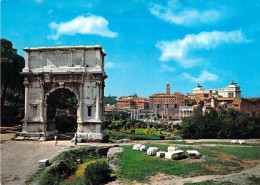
x=79 y=69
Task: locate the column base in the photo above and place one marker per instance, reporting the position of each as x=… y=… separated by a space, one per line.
x=91 y=137
x=37 y=136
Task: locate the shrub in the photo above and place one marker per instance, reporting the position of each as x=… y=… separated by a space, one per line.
x=70 y=157
x=58 y=170
x=97 y=173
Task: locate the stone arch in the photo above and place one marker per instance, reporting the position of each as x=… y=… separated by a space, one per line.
x=78 y=69
x=64 y=87
x=51 y=108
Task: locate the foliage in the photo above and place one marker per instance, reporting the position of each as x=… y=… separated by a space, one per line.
x=117 y=114
x=222 y=124
x=97 y=173
x=70 y=157
x=121 y=135
x=78 y=176
x=63 y=165
x=57 y=171
x=111 y=100
x=140 y=134
x=253 y=180
x=65 y=122
x=11 y=82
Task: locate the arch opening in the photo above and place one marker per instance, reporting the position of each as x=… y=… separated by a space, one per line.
x=62 y=112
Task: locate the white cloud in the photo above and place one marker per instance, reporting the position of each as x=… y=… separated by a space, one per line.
x=164 y=67
x=175 y=13
x=110 y=65
x=204 y=76
x=179 y=50
x=38 y=1
x=92 y=25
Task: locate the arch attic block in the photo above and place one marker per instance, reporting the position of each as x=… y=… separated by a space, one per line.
x=79 y=69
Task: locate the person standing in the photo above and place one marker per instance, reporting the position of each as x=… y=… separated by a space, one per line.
x=56 y=140
x=76 y=139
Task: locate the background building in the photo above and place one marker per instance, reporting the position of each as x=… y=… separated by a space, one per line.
x=231 y=91
x=137 y=102
x=166 y=104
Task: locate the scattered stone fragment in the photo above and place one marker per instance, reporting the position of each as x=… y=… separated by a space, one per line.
x=172 y=148
x=242 y=142
x=137 y=147
x=160 y=154
x=42 y=139
x=112 y=157
x=43 y=163
x=143 y=148
x=174 y=154
x=19 y=138
x=193 y=154
x=152 y=151
x=234 y=141
x=79 y=161
x=123 y=141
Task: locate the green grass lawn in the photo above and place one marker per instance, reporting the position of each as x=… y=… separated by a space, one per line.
x=152 y=130
x=140 y=134
x=136 y=165
x=212 y=142
x=120 y=135
x=250 y=153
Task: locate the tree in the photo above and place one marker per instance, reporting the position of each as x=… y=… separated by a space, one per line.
x=111 y=100
x=222 y=124
x=11 y=79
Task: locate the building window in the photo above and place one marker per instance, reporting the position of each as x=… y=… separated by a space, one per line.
x=34 y=107
x=89 y=111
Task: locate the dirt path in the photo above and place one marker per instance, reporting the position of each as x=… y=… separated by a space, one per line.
x=19 y=159
x=237 y=178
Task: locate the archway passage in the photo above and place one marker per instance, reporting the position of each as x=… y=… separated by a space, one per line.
x=62 y=113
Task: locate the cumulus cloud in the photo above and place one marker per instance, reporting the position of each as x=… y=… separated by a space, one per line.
x=175 y=13
x=179 y=50
x=110 y=65
x=92 y=25
x=164 y=67
x=204 y=76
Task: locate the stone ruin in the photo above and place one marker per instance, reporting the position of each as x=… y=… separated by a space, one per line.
x=79 y=69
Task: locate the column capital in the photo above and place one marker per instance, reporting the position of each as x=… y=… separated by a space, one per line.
x=26 y=83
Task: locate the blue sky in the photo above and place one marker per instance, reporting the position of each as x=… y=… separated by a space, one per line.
x=149 y=43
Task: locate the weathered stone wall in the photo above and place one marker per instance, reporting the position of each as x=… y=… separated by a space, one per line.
x=69 y=58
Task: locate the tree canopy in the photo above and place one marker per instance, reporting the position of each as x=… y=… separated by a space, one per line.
x=222 y=124
x=11 y=80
